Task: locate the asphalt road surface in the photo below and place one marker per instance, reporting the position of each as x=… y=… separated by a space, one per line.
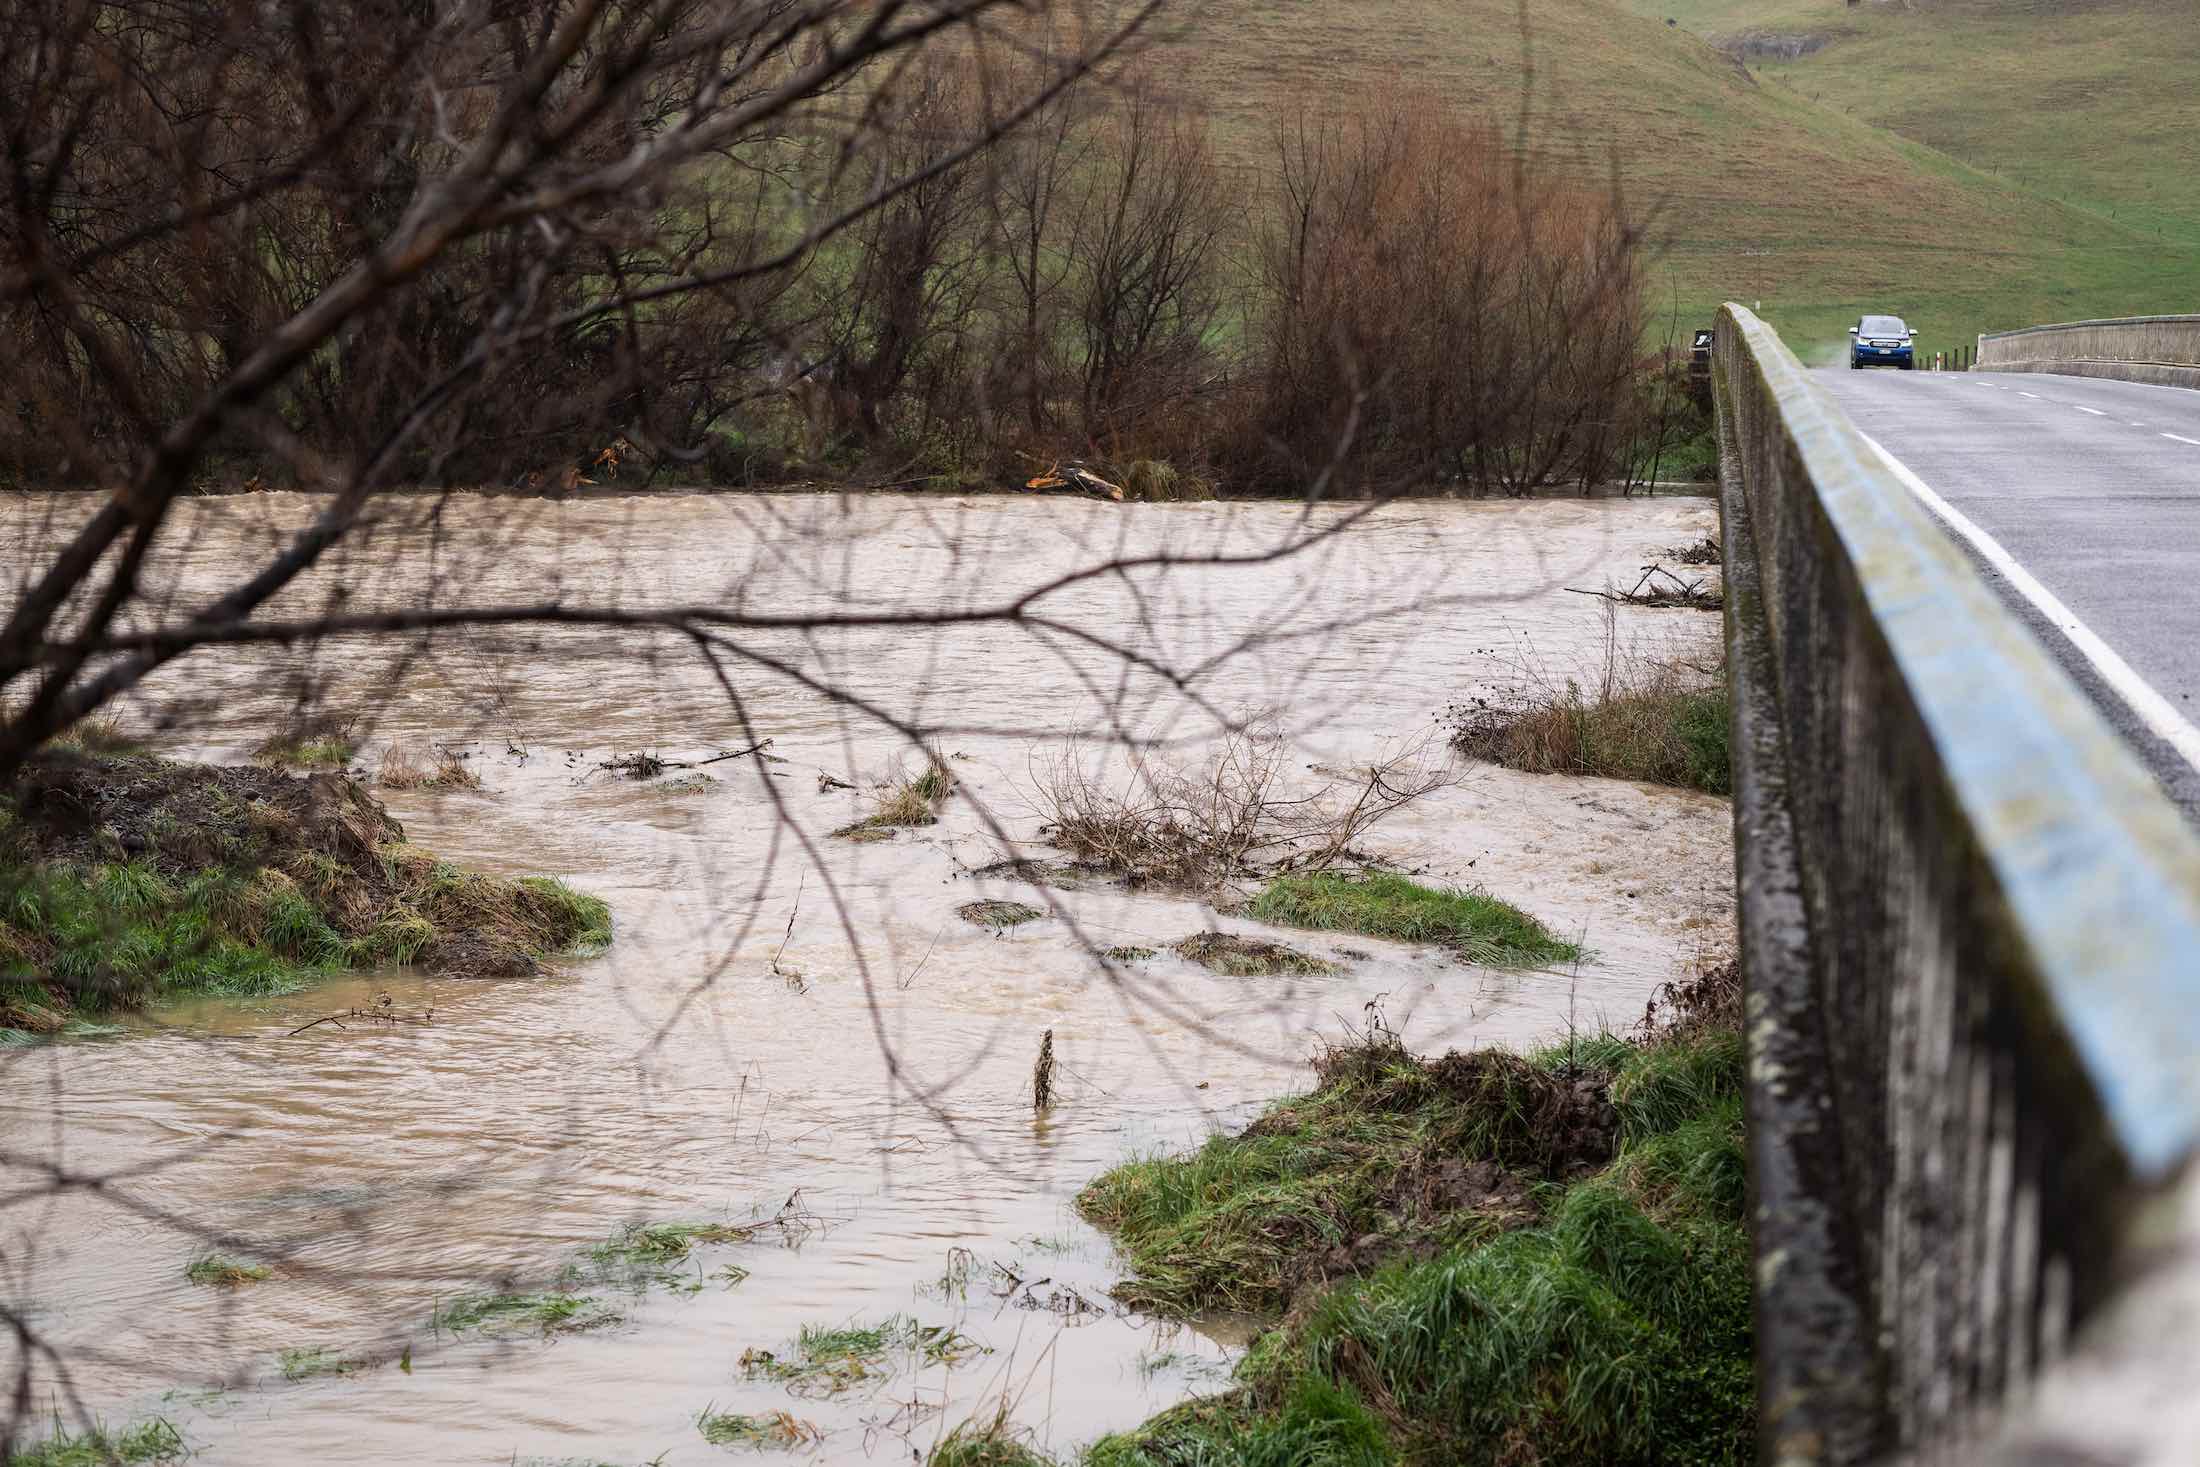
x=2079 y=492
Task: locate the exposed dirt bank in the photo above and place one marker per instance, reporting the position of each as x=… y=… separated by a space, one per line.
x=131 y=880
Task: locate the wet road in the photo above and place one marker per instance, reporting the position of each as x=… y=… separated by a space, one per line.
x=2082 y=501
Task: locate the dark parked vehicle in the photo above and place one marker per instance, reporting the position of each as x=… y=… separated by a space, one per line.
x=1882 y=341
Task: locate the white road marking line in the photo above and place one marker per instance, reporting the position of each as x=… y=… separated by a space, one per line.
x=2181 y=438
x=2033 y=395
x=2152 y=709
x=2138 y=425
x=2095 y=411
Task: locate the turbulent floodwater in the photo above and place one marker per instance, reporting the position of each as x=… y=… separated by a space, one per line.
x=784 y=1015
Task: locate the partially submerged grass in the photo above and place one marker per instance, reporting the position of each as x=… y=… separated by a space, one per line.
x=1380 y=904
x=1494 y=1260
x=129 y=882
x=148 y=1441
x=497 y=1312
x=988 y=1443
x=905 y=802
x=213 y=1270
x=998 y=915
x=401 y=769
x=311 y=740
x=1236 y=956
x=777 y=1429
x=1656 y=733
x=1657 y=721
x=828 y=1360
x=320 y=1360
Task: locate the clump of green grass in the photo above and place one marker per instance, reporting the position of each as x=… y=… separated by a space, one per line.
x=1129 y=954
x=777 y=1429
x=986 y=1443
x=1387 y=1147
x=828 y=1360
x=213 y=1270
x=1600 y=1314
x=1480 y=927
x=320 y=1360
x=998 y=915
x=653 y=1245
x=499 y=1312
x=1310 y=1422
x=1237 y=956
x=148 y=1441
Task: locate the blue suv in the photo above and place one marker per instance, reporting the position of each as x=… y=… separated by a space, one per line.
x=1882 y=341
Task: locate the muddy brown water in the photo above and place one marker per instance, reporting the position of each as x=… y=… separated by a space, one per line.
x=786 y=1015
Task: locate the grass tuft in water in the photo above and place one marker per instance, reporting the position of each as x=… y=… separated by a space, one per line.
x=828 y=1360
x=320 y=1360
x=988 y=1443
x=905 y=803
x=775 y=1430
x=1473 y=923
x=501 y=1313
x=213 y=1270
x=1236 y=956
x=999 y=916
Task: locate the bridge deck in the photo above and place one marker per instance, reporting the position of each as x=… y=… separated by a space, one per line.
x=2091 y=486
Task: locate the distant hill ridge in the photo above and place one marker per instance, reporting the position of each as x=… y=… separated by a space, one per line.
x=1766 y=182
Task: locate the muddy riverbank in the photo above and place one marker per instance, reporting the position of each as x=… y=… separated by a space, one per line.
x=785 y=1015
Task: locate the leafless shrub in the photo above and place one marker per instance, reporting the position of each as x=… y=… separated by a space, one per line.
x=1475 y=315
x=1708 y=1003
x=1235 y=814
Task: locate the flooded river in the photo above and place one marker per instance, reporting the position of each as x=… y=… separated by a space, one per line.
x=784 y=1015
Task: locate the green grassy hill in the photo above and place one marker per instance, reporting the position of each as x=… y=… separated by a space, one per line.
x=1761 y=192
x=2087 y=100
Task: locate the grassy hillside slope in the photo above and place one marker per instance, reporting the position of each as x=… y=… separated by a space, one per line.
x=2087 y=100
x=1759 y=192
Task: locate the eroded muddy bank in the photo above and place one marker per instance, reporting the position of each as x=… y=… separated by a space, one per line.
x=129 y=882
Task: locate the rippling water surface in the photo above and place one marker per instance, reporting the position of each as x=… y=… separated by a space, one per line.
x=784 y=1015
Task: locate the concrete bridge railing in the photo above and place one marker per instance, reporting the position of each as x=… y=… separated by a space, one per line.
x=2164 y=350
x=1970 y=932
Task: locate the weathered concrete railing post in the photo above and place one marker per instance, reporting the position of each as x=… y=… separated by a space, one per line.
x=2164 y=350
x=1970 y=932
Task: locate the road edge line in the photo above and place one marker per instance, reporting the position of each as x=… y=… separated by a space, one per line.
x=2156 y=712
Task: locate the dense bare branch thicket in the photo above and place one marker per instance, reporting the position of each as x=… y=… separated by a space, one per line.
x=1482 y=318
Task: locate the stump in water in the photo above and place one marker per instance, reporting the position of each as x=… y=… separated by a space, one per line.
x=1042 y=1074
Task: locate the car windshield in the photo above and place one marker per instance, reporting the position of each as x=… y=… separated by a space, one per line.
x=1883 y=326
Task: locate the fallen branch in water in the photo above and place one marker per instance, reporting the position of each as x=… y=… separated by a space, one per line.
x=382 y=1011
x=1683 y=593
x=756 y=748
